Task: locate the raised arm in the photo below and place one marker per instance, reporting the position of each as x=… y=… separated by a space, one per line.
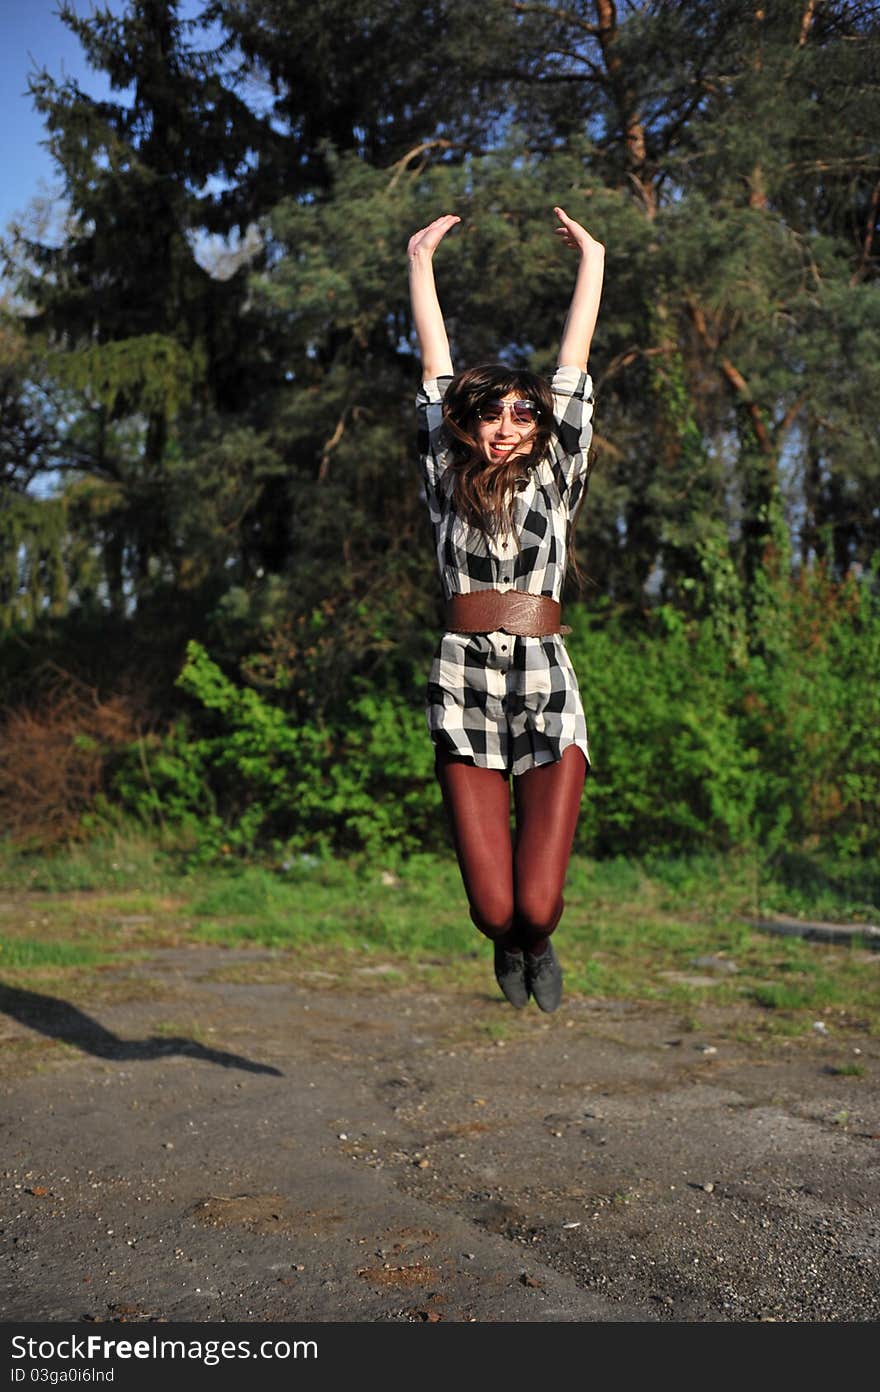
x=574 y=351
x=427 y=314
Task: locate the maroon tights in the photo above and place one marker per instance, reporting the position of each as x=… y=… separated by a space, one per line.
x=514 y=885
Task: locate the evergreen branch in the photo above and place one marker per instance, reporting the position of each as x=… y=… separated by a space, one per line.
x=631 y=355
x=699 y=319
x=740 y=386
x=825 y=166
x=631 y=119
x=329 y=446
x=868 y=244
x=573 y=57
x=551 y=79
x=401 y=165
x=646 y=191
x=602 y=446
x=791 y=415
x=566 y=16
x=807 y=22
x=674 y=128
x=736 y=380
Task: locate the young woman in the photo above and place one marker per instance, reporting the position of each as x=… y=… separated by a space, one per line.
x=504 y=462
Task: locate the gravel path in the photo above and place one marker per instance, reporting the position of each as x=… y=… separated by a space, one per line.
x=233 y=1142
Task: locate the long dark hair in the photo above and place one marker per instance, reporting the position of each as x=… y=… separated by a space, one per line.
x=484 y=490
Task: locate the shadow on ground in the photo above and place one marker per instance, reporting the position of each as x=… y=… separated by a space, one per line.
x=58 y=1019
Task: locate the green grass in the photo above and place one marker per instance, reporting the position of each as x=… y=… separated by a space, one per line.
x=813 y=995
x=820 y=887
x=627 y=923
x=120 y=862
x=25 y=952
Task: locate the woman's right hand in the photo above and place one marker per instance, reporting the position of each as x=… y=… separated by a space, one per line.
x=427 y=239
x=576 y=236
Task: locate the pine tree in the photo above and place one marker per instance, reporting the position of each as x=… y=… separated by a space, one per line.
x=131 y=323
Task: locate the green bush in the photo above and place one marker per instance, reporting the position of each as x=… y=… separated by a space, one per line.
x=669 y=767
x=695 y=748
x=243 y=776
x=779 y=748
x=809 y=707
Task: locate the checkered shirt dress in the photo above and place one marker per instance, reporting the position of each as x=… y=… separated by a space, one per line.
x=502 y=701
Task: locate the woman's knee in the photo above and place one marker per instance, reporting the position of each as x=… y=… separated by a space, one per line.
x=538 y=911
x=493 y=915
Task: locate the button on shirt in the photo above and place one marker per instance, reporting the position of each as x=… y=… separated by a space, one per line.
x=505 y=701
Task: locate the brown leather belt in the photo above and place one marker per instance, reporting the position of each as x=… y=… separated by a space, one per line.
x=513 y=611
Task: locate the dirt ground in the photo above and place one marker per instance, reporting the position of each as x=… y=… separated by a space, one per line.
x=231 y=1136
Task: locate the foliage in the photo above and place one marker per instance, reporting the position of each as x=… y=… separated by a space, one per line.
x=211 y=440
x=254 y=430
x=152 y=370
x=669 y=765
x=53 y=760
x=692 y=746
x=251 y=778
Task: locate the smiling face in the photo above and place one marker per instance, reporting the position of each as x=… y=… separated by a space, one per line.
x=501 y=431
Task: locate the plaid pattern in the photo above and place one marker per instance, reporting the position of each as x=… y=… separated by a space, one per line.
x=507 y=702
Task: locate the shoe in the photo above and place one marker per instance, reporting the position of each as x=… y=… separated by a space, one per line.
x=544 y=978
x=510 y=973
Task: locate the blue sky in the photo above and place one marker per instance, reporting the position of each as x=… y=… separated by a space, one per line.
x=32 y=36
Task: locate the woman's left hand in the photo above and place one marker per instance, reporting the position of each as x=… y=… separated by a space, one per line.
x=576 y=236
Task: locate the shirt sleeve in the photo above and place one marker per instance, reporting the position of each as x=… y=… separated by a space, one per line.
x=573 y=408
x=433 y=451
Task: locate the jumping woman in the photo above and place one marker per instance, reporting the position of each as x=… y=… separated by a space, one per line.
x=504 y=463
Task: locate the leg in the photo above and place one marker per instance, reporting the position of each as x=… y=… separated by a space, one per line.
x=548 y=800
x=477 y=802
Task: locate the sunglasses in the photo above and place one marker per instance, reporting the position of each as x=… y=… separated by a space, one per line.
x=521 y=412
